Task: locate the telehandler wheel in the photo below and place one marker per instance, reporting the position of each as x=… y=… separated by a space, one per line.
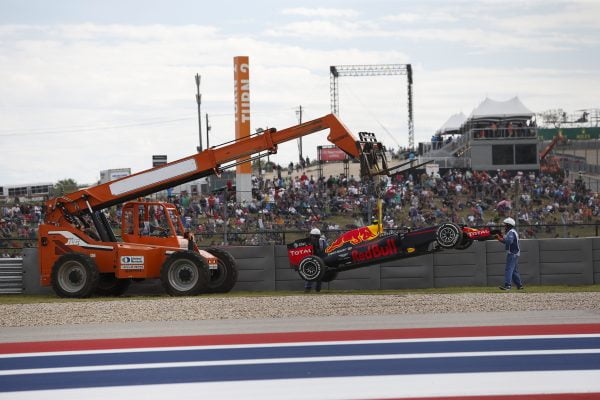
x=312 y=268
x=184 y=273
x=110 y=285
x=74 y=275
x=449 y=235
x=224 y=278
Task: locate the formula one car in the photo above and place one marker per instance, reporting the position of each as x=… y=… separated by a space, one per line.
x=369 y=245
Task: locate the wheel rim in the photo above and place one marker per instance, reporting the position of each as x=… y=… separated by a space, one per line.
x=72 y=277
x=218 y=276
x=447 y=235
x=183 y=275
x=310 y=269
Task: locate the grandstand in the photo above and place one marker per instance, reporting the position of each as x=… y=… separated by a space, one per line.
x=488 y=169
x=285 y=208
x=496 y=135
x=34 y=191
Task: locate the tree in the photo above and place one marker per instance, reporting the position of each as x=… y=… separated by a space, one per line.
x=554 y=117
x=64 y=186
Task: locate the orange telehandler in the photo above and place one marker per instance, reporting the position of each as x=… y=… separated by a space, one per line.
x=550 y=164
x=81 y=256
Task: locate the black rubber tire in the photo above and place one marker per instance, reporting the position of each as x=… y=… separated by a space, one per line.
x=448 y=235
x=330 y=275
x=312 y=268
x=74 y=275
x=184 y=273
x=224 y=278
x=464 y=244
x=110 y=285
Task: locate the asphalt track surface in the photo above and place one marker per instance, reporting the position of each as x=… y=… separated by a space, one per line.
x=546 y=355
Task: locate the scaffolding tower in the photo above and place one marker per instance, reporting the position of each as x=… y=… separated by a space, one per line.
x=337 y=71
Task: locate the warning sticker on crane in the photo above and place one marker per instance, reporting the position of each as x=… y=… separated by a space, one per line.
x=132 y=262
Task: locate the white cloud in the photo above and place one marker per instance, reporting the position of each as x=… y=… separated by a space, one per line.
x=438 y=94
x=323 y=29
x=485 y=27
x=56 y=87
x=404 y=17
x=574 y=16
x=135 y=86
x=480 y=39
x=321 y=12
x=429 y=17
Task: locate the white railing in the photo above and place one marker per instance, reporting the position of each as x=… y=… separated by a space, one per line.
x=504 y=133
x=446 y=148
x=447 y=162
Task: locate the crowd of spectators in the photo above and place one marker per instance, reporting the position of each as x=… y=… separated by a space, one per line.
x=18 y=227
x=504 y=129
x=339 y=202
x=299 y=203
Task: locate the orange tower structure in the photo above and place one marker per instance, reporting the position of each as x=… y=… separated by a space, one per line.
x=241 y=76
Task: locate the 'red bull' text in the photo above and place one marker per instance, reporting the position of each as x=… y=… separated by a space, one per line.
x=375 y=251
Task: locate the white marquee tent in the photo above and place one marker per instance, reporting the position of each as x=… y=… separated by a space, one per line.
x=453 y=123
x=493 y=109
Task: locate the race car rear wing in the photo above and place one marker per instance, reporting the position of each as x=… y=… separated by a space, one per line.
x=298 y=250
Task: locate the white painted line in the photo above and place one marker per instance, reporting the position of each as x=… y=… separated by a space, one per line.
x=350 y=388
x=296 y=344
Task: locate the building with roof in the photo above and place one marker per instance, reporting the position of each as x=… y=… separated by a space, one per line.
x=496 y=135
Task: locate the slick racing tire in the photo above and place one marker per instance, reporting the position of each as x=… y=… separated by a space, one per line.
x=110 y=285
x=184 y=273
x=448 y=235
x=311 y=268
x=224 y=278
x=75 y=275
x=329 y=275
x=464 y=244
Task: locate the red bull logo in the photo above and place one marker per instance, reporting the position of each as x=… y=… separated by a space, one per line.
x=375 y=251
x=354 y=237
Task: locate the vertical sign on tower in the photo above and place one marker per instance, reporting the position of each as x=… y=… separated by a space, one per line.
x=241 y=76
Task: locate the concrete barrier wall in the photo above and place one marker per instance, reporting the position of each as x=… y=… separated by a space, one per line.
x=495 y=261
x=11 y=276
x=596 y=259
x=257 y=271
x=542 y=262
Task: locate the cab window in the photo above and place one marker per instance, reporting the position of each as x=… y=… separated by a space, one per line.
x=143 y=224
x=128 y=221
x=176 y=223
x=158 y=222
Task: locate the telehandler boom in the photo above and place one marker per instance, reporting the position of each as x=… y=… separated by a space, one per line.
x=81 y=256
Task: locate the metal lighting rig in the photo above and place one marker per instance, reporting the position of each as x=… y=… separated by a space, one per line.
x=337 y=71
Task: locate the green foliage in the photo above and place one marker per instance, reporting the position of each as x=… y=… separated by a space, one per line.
x=64 y=186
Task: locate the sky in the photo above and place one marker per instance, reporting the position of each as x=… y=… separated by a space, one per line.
x=92 y=85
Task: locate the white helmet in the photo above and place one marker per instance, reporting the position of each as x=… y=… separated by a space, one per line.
x=509 y=221
x=315 y=231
